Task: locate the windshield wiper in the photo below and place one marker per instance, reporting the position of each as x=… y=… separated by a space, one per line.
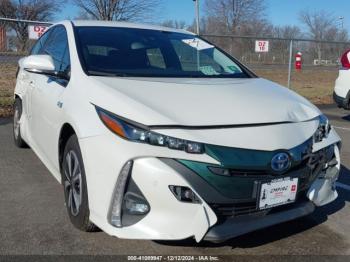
x=99 y=73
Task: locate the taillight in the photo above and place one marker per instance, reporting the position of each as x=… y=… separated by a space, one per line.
x=345 y=60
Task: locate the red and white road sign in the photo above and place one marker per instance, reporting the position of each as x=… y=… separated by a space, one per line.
x=261 y=46
x=35 y=31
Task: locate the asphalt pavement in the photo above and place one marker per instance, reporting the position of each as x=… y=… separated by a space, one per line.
x=33 y=219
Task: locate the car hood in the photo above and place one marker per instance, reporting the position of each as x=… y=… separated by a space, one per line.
x=200 y=102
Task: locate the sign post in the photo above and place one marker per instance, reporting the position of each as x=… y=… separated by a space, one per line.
x=197 y=16
x=35 y=31
x=290 y=63
x=261 y=46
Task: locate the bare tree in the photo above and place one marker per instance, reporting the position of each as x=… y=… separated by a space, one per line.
x=280 y=48
x=122 y=10
x=236 y=17
x=322 y=26
x=39 y=10
x=317 y=23
x=288 y=31
x=174 y=24
x=234 y=14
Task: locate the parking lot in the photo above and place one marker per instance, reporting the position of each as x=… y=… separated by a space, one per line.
x=33 y=218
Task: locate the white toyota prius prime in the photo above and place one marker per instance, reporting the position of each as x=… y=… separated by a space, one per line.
x=155 y=133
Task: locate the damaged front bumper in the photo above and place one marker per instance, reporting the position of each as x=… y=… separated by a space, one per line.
x=237 y=226
x=241 y=216
x=219 y=216
x=323 y=191
x=228 y=204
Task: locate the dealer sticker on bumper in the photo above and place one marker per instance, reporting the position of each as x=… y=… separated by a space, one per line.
x=278 y=192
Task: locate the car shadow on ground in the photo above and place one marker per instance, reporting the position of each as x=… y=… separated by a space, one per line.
x=346 y=118
x=5 y=121
x=281 y=231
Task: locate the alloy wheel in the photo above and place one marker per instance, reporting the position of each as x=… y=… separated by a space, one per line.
x=73 y=183
x=16 y=126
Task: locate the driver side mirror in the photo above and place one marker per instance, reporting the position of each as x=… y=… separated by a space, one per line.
x=42 y=64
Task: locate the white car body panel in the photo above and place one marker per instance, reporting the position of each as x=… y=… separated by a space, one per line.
x=342 y=84
x=224 y=101
x=274 y=137
x=128 y=25
x=232 y=102
x=341 y=93
x=322 y=191
x=332 y=138
x=166 y=210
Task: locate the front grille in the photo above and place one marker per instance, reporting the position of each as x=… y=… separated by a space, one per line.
x=309 y=170
x=227 y=211
x=234 y=210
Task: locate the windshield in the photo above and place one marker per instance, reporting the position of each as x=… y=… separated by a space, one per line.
x=114 y=51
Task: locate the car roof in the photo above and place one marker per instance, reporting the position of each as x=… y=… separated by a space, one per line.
x=126 y=25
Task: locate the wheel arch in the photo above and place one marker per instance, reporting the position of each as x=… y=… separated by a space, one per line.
x=19 y=91
x=18 y=96
x=66 y=132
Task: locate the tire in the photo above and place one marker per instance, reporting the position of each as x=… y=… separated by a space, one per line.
x=17 y=113
x=74 y=186
x=347 y=103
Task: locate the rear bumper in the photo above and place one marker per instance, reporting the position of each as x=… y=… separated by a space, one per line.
x=241 y=225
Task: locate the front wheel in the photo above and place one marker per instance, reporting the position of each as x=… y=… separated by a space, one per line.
x=17 y=113
x=75 y=188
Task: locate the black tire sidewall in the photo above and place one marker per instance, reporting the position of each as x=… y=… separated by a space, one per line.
x=18 y=140
x=82 y=219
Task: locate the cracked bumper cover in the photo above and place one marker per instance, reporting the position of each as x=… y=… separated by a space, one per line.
x=321 y=192
x=170 y=219
x=241 y=225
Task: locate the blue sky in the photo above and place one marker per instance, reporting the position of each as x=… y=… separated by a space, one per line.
x=280 y=12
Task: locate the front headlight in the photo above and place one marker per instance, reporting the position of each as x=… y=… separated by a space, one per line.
x=323 y=129
x=136 y=132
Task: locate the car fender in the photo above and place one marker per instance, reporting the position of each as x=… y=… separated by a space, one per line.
x=323 y=190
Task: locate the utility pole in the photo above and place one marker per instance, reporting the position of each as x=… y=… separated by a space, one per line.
x=290 y=63
x=197 y=15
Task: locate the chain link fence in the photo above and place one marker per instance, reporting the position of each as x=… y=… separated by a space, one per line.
x=320 y=60
x=14 y=44
x=315 y=53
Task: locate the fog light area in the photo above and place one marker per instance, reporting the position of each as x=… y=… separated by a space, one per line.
x=135 y=205
x=184 y=194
